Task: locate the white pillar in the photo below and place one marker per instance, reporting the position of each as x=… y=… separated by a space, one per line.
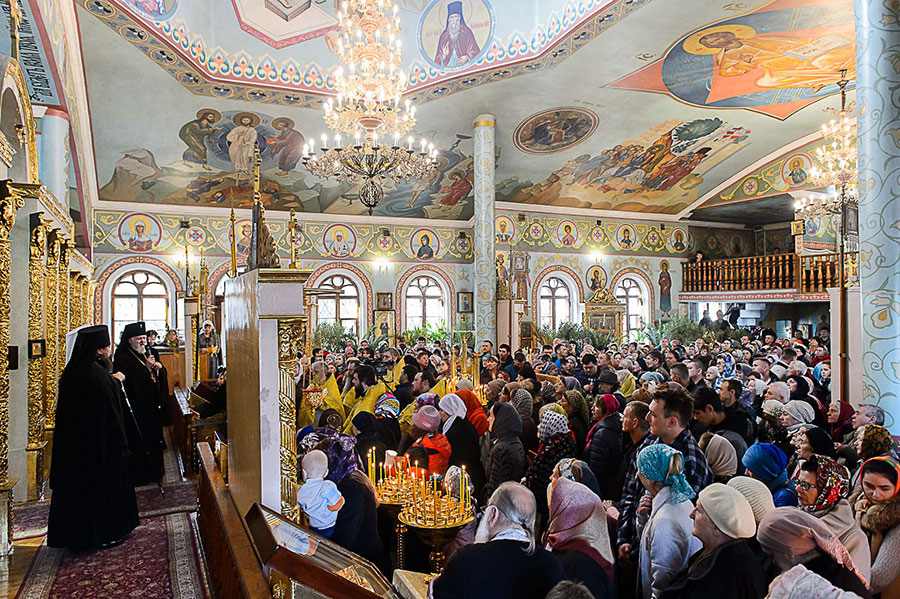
x=54 y=166
x=485 y=256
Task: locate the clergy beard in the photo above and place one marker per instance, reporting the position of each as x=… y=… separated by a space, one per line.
x=137 y=347
x=105 y=363
x=360 y=391
x=454 y=30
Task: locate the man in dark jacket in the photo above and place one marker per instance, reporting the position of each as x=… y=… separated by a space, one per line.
x=93 y=501
x=726 y=567
x=142 y=392
x=505 y=537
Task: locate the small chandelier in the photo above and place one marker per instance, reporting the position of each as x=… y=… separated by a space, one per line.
x=370 y=84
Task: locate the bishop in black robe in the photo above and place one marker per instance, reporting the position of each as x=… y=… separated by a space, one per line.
x=93 y=501
x=142 y=391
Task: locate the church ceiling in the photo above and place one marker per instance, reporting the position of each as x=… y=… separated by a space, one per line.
x=602 y=107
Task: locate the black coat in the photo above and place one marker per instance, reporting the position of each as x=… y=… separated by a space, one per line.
x=581 y=568
x=579 y=429
x=499 y=570
x=730 y=572
x=506 y=462
x=93 y=499
x=465 y=451
x=143 y=394
x=604 y=455
x=356 y=528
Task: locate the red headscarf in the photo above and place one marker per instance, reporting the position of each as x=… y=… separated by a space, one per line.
x=474 y=410
x=844 y=423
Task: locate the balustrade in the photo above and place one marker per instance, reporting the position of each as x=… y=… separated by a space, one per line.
x=806 y=274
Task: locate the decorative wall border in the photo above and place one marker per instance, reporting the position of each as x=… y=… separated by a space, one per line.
x=215 y=277
x=400 y=304
x=114 y=267
x=325 y=268
x=536 y=286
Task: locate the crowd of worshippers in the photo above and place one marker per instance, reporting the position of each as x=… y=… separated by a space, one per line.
x=690 y=469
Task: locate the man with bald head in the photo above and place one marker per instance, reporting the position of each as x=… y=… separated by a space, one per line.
x=505 y=537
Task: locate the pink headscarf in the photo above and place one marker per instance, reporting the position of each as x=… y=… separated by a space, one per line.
x=578 y=523
x=792 y=532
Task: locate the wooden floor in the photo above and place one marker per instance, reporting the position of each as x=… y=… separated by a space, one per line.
x=14 y=567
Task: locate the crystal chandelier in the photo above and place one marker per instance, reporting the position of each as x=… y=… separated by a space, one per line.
x=368 y=107
x=837 y=158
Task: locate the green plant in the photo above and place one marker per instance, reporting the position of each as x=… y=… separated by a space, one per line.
x=574 y=332
x=431 y=333
x=687 y=331
x=374 y=337
x=331 y=336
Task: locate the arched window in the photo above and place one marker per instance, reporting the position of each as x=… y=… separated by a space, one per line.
x=556 y=302
x=344 y=309
x=633 y=293
x=140 y=295
x=425 y=303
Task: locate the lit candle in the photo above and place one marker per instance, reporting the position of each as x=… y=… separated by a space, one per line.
x=357 y=137
x=424 y=143
x=410 y=140
x=375 y=138
x=324 y=141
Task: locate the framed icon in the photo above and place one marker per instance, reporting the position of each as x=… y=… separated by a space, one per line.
x=465 y=301
x=37 y=348
x=384 y=324
x=384 y=300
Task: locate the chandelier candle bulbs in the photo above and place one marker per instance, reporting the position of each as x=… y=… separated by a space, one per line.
x=368 y=107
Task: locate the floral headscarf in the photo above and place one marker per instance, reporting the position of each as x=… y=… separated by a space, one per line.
x=876 y=441
x=653 y=463
x=523 y=403
x=727 y=370
x=553 y=423
x=340 y=449
x=832 y=481
x=427 y=399
x=387 y=406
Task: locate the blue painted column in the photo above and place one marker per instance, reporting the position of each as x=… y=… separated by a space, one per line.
x=54 y=166
x=877 y=79
x=485 y=270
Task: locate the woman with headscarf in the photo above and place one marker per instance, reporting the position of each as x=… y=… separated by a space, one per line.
x=604 y=451
x=526 y=372
x=577 y=412
x=821 y=374
x=667 y=541
x=506 y=461
x=801 y=390
x=840 y=420
x=822 y=489
x=556 y=443
x=474 y=411
x=506 y=392
x=811 y=441
x=725 y=367
x=767 y=463
x=208 y=343
x=627 y=382
x=576 y=471
x=578 y=536
x=797 y=414
x=463 y=438
x=871 y=441
x=877 y=509
x=800 y=583
x=791 y=536
x=427 y=422
x=466 y=536
x=387 y=414
x=720 y=455
x=523 y=402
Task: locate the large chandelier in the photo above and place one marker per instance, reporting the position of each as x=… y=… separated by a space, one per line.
x=837 y=158
x=368 y=107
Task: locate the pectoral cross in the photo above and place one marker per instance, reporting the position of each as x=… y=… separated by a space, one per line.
x=15 y=20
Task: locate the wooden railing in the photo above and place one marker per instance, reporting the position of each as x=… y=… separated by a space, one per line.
x=806 y=274
x=185 y=427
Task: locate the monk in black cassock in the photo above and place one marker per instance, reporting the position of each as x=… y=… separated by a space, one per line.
x=162 y=375
x=142 y=391
x=93 y=502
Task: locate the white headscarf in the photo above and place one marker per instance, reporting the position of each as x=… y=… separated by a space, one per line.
x=453 y=405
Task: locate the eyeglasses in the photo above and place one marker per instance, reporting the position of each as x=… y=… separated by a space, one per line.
x=805 y=486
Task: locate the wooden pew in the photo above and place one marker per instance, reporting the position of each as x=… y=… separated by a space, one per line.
x=235 y=571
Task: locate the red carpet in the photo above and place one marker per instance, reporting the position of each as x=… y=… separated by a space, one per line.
x=30 y=519
x=158 y=560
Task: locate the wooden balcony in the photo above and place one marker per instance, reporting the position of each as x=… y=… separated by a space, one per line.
x=800 y=274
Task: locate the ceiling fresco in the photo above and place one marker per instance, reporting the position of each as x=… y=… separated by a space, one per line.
x=577 y=131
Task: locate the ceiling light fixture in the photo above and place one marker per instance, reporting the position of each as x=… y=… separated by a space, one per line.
x=368 y=107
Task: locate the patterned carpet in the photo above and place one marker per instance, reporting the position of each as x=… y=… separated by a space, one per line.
x=158 y=560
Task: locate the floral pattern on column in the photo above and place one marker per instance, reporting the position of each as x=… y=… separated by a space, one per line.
x=877 y=64
x=485 y=271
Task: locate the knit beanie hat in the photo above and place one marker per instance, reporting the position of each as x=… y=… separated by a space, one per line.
x=463 y=384
x=729 y=510
x=757 y=494
x=427 y=419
